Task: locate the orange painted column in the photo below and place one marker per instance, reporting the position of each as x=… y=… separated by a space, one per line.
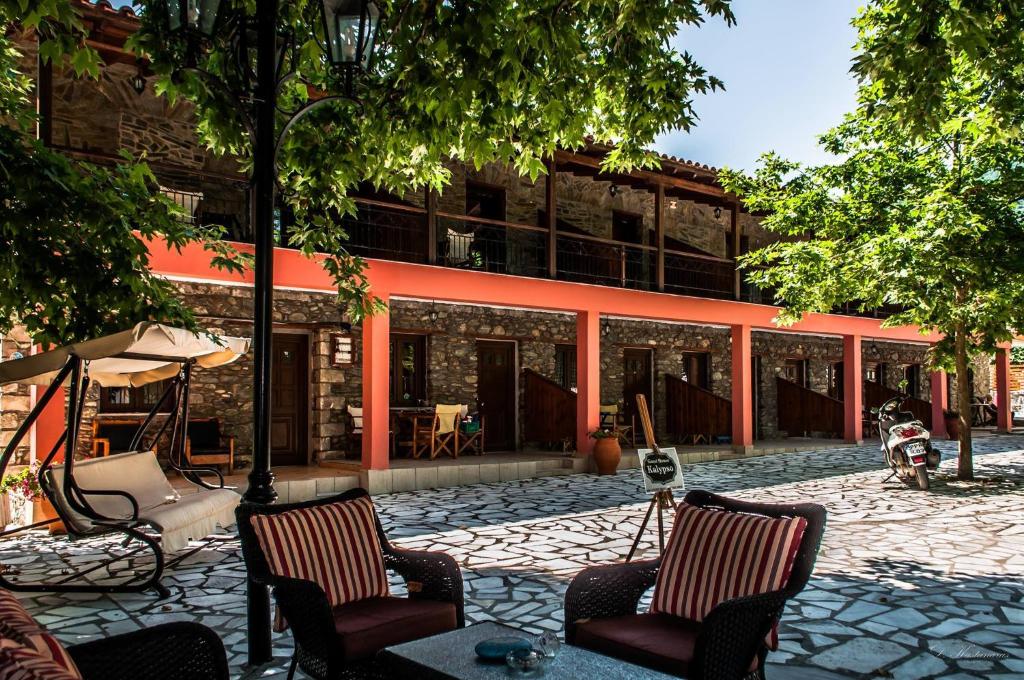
x=50 y=424
x=588 y=378
x=853 y=390
x=742 y=390
x=1004 y=414
x=376 y=388
x=940 y=402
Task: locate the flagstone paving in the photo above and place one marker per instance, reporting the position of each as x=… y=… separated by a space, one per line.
x=907 y=585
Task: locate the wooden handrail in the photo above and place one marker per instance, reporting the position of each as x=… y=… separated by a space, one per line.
x=693 y=410
x=550 y=410
x=606 y=241
x=801 y=410
x=697 y=256
x=390 y=206
x=484 y=220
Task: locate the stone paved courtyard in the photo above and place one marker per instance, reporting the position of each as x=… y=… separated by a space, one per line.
x=908 y=585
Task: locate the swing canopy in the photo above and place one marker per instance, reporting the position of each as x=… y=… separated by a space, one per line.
x=147 y=353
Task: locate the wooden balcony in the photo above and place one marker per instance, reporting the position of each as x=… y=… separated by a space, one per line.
x=407 y=233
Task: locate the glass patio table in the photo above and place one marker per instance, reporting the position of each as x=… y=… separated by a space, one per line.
x=451 y=656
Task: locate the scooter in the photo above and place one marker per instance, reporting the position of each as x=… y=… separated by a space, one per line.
x=906 y=443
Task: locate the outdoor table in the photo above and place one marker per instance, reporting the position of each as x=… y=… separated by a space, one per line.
x=451 y=656
x=402 y=418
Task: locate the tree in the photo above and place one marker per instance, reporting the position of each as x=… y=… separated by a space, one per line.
x=929 y=220
x=909 y=52
x=478 y=82
x=73 y=266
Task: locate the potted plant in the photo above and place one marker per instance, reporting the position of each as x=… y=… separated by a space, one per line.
x=23 y=493
x=952 y=419
x=607 y=452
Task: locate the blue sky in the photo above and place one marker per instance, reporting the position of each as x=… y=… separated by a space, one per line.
x=786 y=72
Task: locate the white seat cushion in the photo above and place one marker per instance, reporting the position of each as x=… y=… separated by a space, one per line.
x=136 y=472
x=178 y=519
x=192 y=517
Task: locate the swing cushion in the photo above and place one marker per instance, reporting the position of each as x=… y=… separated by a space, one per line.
x=26 y=650
x=177 y=518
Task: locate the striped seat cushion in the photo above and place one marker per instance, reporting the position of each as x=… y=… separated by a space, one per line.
x=335 y=546
x=18 y=630
x=713 y=556
x=25 y=663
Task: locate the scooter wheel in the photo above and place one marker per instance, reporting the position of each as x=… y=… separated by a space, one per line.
x=921 y=472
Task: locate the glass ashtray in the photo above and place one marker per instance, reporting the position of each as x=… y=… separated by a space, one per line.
x=526 y=661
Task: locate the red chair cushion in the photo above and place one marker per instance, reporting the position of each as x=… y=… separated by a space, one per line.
x=335 y=546
x=713 y=556
x=18 y=630
x=367 y=626
x=660 y=641
x=25 y=663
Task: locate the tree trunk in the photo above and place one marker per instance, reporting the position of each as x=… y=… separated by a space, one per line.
x=964 y=389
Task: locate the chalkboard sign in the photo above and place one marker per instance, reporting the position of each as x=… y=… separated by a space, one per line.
x=661 y=470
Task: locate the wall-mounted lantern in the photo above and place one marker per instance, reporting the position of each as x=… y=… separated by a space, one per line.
x=342 y=350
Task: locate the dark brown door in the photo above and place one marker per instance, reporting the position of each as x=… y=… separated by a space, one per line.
x=289 y=398
x=636 y=379
x=496 y=393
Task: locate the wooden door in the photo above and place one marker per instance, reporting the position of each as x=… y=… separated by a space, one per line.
x=289 y=399
x=496 y=393
x=637 y=371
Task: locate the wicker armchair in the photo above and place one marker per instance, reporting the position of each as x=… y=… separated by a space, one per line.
x=171 y=651
x=341 y=642
x=728 y=645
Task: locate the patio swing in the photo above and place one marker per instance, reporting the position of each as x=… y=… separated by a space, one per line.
x=142 y=505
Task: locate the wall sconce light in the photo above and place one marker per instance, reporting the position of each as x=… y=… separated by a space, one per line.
x=342 y=350
x=613 y=190
x=718 y=212
x=673 y=204
x=433 y=313
x=138 y=81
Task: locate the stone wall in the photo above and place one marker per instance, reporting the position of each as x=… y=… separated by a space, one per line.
x=15 y=399
x=667 y=343
x=773 y=349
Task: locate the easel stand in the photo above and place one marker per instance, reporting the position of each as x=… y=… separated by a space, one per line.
x=662 y=499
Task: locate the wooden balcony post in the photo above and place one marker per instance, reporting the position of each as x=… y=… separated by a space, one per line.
x=44 y=105
x=376 y=388
x=1004 y=411
x=551 y=210
x=742 y=390
x=588 y=378
x=431 y=204
x=734 y=227
x=853 y=390
x=659 y=233
x=940 y=402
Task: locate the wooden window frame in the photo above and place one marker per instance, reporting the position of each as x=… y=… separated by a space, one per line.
x=565 y=366
x=419 y=393
x=136 y=399
x=701 y=361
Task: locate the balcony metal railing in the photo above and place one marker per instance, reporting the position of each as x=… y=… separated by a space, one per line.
x=401 y=232
x=480 y=244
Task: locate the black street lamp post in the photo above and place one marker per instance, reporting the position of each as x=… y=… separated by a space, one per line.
x=350 y=31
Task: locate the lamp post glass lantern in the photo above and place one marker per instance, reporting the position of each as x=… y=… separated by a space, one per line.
x=350 y=27
x=193 y=16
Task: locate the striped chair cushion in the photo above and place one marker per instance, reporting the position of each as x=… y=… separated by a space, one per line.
x=19 y=629
x=25 y=663
x=713 y=556
x=335 y=546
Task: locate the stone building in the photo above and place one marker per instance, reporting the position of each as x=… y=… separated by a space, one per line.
x=658 y=247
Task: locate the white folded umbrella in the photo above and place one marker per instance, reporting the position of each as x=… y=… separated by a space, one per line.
x=148 y=352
